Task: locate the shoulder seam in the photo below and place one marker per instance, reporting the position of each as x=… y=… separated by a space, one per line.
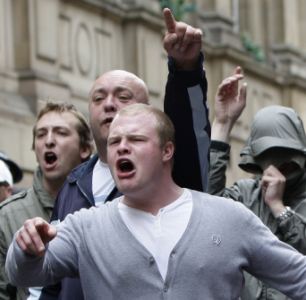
x=15 y=197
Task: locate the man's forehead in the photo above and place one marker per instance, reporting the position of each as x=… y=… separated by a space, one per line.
x=56 y=119
x=116 y=78
x=133 y=124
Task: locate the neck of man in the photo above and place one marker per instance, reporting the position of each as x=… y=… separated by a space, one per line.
x=152 y=199
x=52 y=187
x=102 y=152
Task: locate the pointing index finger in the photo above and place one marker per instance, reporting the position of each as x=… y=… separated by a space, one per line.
x=169 y=20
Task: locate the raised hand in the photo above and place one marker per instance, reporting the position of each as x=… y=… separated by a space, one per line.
x=182 y=42
x=273 y=186
x=230 y=101
x=34 y=235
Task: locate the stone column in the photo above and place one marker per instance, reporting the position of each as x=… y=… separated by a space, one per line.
x=44 y=15
x=287 y=49
x=216 y=20
x=224 y=8
x=6 y=36
x=291 y=22
x=142 y=37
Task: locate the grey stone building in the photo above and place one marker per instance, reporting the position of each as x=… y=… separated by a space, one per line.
x=54 y=49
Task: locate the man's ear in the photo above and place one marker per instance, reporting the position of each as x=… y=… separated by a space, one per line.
x=85 y=152
x=168 y=151
x=8 y=191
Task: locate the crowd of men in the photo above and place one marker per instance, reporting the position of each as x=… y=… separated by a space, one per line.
x=148 y=215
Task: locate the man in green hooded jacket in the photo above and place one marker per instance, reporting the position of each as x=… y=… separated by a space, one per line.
x=61 y=141
x=275 y=153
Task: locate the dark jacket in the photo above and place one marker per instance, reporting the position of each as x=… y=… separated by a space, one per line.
x=185 y=104
x=77 y=191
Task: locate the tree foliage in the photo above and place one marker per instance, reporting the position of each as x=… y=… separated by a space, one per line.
x=178 y=7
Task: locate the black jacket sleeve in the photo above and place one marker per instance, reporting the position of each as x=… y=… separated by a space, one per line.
x=186 y=105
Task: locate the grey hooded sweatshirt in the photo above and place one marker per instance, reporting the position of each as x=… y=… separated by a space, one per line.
x=273 y=127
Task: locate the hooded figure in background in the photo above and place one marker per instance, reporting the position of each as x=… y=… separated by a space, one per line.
x=277 y=139
x=275 y=153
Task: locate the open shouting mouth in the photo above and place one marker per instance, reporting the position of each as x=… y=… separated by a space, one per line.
x=125 y=168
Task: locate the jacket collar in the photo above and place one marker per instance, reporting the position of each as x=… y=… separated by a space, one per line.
x=82 y=170
x=42 y=195
x=82 y=177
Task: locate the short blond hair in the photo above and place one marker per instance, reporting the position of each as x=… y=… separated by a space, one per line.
x=164 y=126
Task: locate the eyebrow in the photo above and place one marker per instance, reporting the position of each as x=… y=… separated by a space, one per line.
x=98 y=90
x=123 y=89
x=45 y=128
x=132 y=135
x=117 y=89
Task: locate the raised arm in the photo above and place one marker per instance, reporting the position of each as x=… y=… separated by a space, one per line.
x=230 y=101
x=182 y=42
x=185 y=103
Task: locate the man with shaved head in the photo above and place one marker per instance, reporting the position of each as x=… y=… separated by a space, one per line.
x=110 y=92
x=92 y=184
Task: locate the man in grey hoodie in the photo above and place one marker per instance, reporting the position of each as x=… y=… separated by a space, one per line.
x=275 y=153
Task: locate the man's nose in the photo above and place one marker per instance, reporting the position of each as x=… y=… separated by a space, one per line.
x=110 y=104
x=123 y=147
x=50 y=139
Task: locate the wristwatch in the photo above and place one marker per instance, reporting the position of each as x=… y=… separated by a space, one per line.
x=284 y=215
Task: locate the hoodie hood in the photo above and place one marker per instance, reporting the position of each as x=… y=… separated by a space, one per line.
x=273 y=127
